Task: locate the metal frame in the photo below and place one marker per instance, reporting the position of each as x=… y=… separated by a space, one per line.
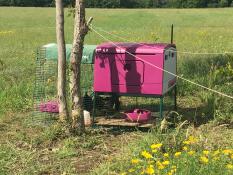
x=161 y=105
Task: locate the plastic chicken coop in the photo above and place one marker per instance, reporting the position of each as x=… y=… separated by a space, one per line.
x=130 y=69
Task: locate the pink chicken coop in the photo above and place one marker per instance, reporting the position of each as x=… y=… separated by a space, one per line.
x=135 y=69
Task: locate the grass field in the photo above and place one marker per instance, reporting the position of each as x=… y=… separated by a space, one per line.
x=33 y=150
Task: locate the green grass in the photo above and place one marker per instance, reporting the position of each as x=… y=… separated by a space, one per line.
x=196 y=30
x=26 y=149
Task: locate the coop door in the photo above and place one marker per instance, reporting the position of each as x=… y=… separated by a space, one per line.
x=128 y=72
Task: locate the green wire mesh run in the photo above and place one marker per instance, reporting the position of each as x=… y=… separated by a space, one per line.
x=45 y=87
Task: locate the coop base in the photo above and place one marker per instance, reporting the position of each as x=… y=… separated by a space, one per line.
x=100 y=121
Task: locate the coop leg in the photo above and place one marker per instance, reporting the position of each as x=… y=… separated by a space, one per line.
x=175 y=98
x=94 y=110
x=161 y=107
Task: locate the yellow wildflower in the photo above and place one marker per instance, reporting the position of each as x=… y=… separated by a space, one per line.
x=146 y=155
x=204 y=159
x=156 y=146
x=166 y=155
x=160 y=165
x=206 y=152
x=185 y=148
x=172 y=171
x=124 y=173
x=131 y=170
x=166 y=162
x=6 y=32
x=227 y=151
x=229 y=166
x=186 y=142
x=177 y=154
x=154 y=151
x=232 y=156
x=173 y=167
x=191 y=153
x=192 y=139
x=150 y=170
x=135 y=161
x=216 y=152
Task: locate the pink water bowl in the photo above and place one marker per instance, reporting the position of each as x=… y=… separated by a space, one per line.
x=138 y=115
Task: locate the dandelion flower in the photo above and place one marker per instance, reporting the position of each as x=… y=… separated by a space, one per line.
x=154 y=151
x=160 y=165
x=156 y=146
x=166 y=155
x=135 y=161
x=186 y=142
x=206 y=152
x=204 y=159
x=229 y=166
x=192 y=139
x=185 y=148
x=227 y=151
x=173 y=167
x=177 y=154
x=150 y=170
x=166 y=162
x=131 y=170
x=146 y=155
x=191 y=153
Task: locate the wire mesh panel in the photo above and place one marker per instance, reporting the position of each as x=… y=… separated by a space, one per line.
x=45 y=90
x=45 y=86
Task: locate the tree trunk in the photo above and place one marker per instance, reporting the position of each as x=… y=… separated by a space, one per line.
x=61 y=80
x=80 y=30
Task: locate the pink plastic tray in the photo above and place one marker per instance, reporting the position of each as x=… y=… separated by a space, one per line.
x=138 y=115
x=51 y=107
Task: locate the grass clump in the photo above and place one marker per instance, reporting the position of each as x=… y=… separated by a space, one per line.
x=200 y=150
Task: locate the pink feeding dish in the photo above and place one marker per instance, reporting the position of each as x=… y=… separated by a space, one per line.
x=117 y=71
x=138 y=115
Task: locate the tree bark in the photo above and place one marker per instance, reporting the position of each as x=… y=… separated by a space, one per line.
x=61 y=80
x=80 y=30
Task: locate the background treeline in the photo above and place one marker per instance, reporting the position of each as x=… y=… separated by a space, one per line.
x=126 y=3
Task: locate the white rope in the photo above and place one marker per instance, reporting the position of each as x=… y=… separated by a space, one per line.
x=182 y=52
x=191 y=82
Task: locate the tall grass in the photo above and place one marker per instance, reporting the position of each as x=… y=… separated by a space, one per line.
x=23 y=30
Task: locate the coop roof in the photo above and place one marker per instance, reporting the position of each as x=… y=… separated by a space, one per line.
x=88 y=52
x=138 y=48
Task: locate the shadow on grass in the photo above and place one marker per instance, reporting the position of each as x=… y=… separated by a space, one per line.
x=197 y=116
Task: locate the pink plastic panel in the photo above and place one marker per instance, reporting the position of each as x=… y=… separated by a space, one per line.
x=117 y=71
x=127 y=72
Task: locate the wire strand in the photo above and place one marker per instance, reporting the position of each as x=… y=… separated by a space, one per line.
x=182 y=78
x=182 y=52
